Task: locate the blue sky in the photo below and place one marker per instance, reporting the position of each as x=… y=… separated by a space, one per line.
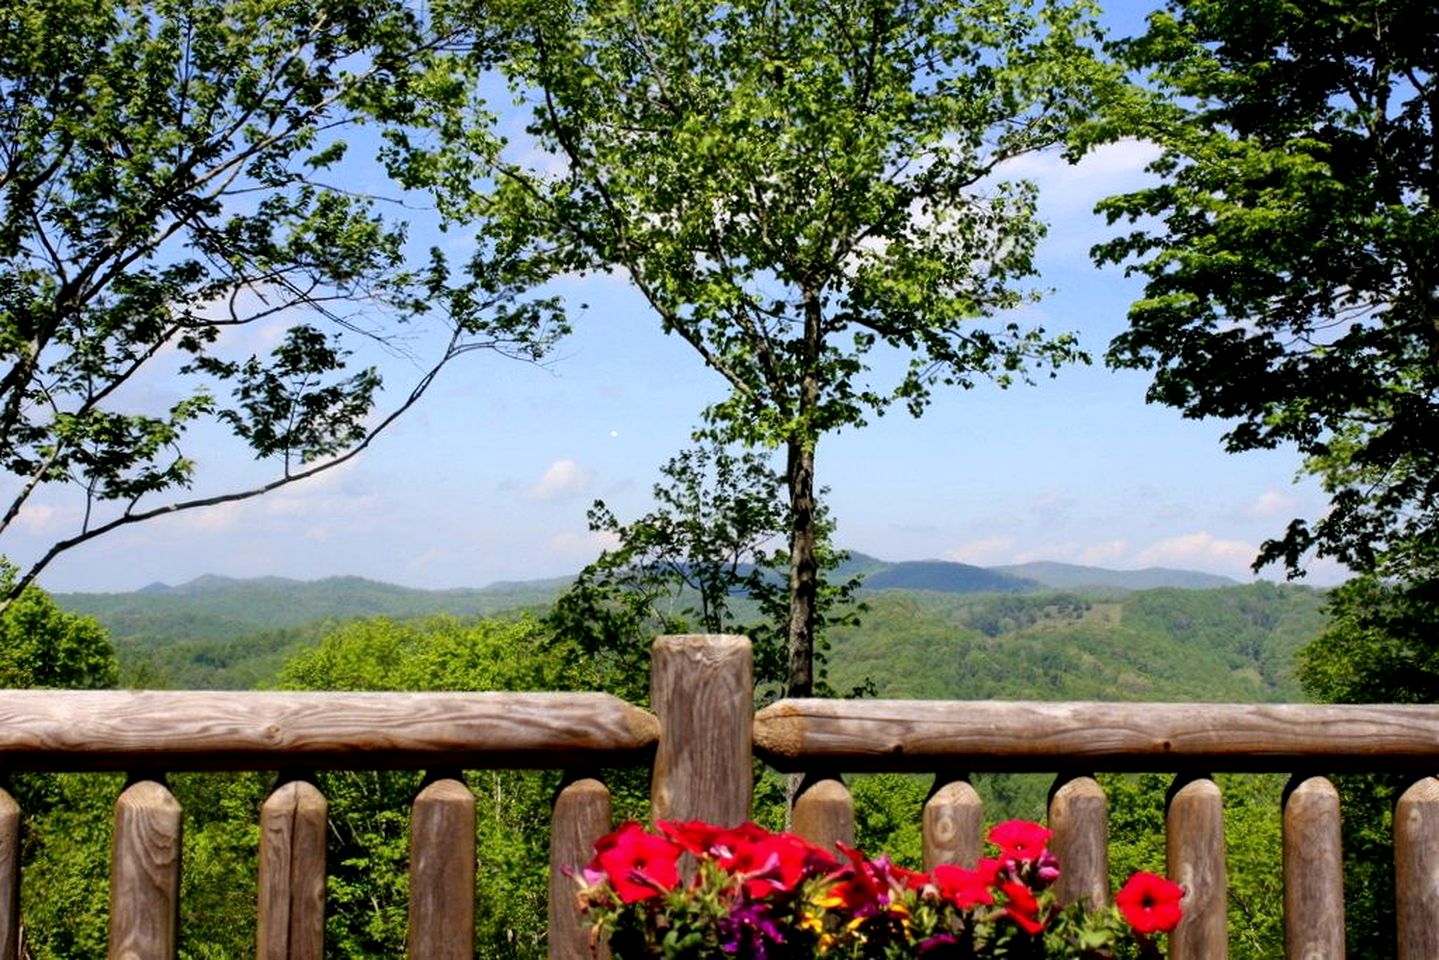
x=490 y=477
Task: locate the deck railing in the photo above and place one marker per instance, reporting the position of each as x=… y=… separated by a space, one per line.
x=701 y=737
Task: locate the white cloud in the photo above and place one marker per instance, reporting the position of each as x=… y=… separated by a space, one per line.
x=564 y=479
x=587 y=545
x=985 y=550
x=1198 y=548
x=39 y=517
x=1102 y=554
x=1271 y=503
x=1112 y=166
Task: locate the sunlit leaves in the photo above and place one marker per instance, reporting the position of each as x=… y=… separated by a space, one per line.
x=1289 y=254
x=172 y=171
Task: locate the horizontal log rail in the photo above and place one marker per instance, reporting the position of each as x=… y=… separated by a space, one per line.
x=119 y=730
x=1024 y=736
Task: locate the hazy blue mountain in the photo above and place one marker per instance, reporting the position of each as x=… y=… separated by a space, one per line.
x=945 y=577
x=215 y=608
x=1069 y=576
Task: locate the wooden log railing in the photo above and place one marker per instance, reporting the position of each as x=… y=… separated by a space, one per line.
x=150 y=734
x=821 y=738
x=700 y=739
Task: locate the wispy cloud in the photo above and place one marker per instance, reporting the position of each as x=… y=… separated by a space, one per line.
x=1198 y=548
x=562 y=480
x=1271 y=503
x=985 y=550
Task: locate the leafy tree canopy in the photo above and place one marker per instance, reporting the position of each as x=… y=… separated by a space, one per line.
x=44 y=646
x=809 y=194
x=705 y=558
x=1291 y=253
x=172 y=170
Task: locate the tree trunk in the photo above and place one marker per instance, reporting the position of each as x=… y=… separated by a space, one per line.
x=799 y=474
x=803 y=569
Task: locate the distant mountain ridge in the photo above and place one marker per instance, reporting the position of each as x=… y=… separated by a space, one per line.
x=1068 y=576
x=219 y=607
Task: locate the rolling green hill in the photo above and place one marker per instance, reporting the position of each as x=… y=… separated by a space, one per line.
x=1069 y=576
x=1232 y=644
x=221 y=608
x=1236 y=643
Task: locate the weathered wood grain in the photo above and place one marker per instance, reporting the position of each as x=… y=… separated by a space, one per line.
x=213 y=730
x=1079 y=817
x=702 y=691
x=823 y=811
x=145 y=874
x=1194 y=847
x=919 y=735
x=581 y=816
x=9 y=877
x=442 y=873
x=291 y=923
x=1416 y=870
x=953 y=825
x=1313 y=871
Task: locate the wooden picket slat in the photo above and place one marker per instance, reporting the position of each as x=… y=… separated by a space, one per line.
x=1194 y=848
x=291 y=922
x=953 y=827
x=823 y=811
x=9 y=877
x=442 y=873
x=581 y=816
x=145 y=874
x=1313 y=871
x=1416 y=870
x=1079 y=817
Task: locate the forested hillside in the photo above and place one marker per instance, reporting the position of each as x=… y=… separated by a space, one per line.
x=1233 y=644
x=223 y=608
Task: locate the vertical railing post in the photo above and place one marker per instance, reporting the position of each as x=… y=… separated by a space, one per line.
x=702 y=690
x=581 y=816
x=9 y=877
x=1194 y=846
x=1313 y=871
x=1416 y=867
x=1079 y=817
x=442 y=872
x=953 y=825
x=291 y=915
x=145 y=874
x=824 y=811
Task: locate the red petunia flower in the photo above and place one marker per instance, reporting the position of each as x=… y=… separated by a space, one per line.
x=1020 y=839
x=781 y=861
x=1150 y=903
x=963 y=888
x=695 y=836
x=639 y=865
x=1021 y=906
